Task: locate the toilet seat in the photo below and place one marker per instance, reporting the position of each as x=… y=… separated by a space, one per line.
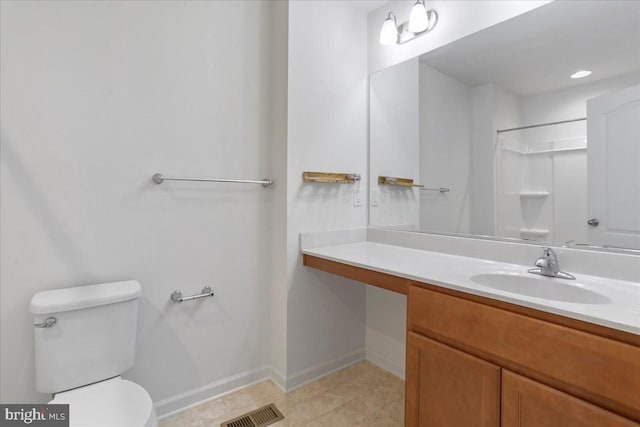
x=111 y=403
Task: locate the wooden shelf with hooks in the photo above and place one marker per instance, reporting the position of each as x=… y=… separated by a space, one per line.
x=331 y=177
x=400 y=182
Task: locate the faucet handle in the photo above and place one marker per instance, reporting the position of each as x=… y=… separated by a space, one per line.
x=548 y=265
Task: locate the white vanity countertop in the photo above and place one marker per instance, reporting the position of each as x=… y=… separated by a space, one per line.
x=622 y=312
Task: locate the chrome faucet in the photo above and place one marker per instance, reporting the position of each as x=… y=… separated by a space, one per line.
x=547 y=265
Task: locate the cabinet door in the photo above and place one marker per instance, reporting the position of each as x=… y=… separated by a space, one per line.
x=449 y=388
x=527 y=403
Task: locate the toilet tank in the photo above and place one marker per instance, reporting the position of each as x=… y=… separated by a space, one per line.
x=93 y=337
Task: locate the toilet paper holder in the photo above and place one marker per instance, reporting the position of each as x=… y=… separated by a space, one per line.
x=176 y=296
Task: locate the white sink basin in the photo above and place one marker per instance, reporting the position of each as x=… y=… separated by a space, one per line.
x=541 y=287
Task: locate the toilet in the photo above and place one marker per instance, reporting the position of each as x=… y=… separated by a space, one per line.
x=84 y=340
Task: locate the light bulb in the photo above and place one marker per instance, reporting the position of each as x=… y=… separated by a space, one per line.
x=418 y=20
x=389 y=31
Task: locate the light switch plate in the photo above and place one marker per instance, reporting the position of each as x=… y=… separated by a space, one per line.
x=357 y=199
x=375 y=197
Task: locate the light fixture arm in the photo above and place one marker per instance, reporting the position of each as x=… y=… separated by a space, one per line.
x=407 y=35
x=404 y=34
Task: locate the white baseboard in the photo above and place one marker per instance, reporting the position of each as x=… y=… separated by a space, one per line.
x=314 y=373
x=168 y=407
x=385 y=363
x=278 y=379
x=173 y=405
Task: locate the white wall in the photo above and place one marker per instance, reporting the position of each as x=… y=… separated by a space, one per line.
x=445 y=142
x=493 y=108
x=327 y=131
x=457 y=19
x=394 y=143
x=96 y=97
x=278 y=230
x=386 y=329
x=569 y=103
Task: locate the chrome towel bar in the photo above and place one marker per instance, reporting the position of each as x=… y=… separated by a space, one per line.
x=158 y=178
x=176 y=296
x=441 y=189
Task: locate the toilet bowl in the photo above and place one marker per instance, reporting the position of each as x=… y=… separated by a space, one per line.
x=110 y=403
x=84 y=340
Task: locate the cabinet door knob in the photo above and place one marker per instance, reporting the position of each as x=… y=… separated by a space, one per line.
x=594 y=222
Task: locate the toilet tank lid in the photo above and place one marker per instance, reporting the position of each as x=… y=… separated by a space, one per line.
x=67 y=299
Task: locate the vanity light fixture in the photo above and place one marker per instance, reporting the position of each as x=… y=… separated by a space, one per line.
x=389 y=32
x=421 y=21
x=580 y=74
x=418 y=20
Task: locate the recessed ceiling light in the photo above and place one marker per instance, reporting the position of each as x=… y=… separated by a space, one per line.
x=580 y=74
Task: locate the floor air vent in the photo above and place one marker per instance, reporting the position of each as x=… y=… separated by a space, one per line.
x=264 y=416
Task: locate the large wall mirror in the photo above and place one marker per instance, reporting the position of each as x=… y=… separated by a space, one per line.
x=493 y=135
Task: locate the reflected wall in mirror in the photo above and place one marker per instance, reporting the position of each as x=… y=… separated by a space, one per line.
x=526 y=151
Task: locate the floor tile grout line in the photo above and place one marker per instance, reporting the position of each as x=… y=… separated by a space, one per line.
x=328 y=411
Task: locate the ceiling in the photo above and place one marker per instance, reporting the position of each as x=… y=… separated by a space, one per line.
x=537 y=51
x=367 y=6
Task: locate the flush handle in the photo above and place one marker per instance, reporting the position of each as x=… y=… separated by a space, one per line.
x=594 y=222
x=49 y=322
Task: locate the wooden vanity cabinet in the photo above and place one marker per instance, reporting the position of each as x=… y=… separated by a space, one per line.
x=474 y=364
x=527 y=403
x=447 y=387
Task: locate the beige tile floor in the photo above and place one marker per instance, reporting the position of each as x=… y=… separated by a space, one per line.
x=360 y=395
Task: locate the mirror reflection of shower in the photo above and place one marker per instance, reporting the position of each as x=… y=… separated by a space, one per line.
x=541 y=182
